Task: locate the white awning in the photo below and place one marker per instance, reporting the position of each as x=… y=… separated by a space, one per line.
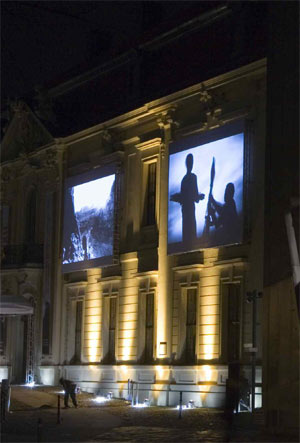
x=15 y=305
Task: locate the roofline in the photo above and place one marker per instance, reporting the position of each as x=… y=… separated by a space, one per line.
x=188 y=27
x=158 y=106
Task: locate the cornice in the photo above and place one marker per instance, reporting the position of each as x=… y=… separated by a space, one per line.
x=153 y=143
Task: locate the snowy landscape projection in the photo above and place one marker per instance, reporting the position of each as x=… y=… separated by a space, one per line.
x=205 y=204
x=89 y=220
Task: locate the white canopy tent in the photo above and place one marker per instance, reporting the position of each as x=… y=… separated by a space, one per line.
x=15 y=305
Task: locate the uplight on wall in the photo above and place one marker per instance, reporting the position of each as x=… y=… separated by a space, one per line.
x=162 y=349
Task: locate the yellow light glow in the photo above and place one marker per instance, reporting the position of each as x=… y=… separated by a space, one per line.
x=92 y=348
x=92 y=335
x=92 y=327
x=127 y=348
x=208 y=339
x=159 y=371
x=124 y=369
x=93 y=367
x=207 y=372
x=208 y=352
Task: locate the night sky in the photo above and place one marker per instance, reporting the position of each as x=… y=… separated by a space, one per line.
x=46 y=42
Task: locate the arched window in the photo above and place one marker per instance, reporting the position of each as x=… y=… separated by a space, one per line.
x=30 y=222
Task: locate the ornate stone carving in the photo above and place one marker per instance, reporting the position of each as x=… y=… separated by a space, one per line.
x=205 y=96
x=167 y=119
x=162 y=150
x=26 y=288
x=211 y=109
x=108 y=140
x=50 y=159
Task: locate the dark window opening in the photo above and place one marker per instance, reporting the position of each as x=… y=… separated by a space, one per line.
x=149 y=327
x=150 y=197
x=233 y=345
x=78 y=331
x=46 y=330
x=30 y=218
x=5 y=222
x=3 y=326
x=112 y=328
x=191 y=318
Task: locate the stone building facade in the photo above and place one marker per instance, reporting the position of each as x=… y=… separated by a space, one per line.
x=136 y=318
x=127 y=321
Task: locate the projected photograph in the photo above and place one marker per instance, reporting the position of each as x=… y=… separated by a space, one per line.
x=205 y=200
x=89 y=221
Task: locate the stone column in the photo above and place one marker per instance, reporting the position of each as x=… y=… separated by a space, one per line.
x=92 y=348
x=165 y=284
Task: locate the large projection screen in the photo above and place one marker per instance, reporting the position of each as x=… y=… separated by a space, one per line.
x=89 y=218
x=205 y=196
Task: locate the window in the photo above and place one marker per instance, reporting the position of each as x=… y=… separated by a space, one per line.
x=5 y=215
x=112 y=328
x=150 y=195
x=46 y=330
x=3 y=325
x=191 y=317
x=78 y=330
x=75 y=307
x=30 y=225
x=149 y=327
x=233 y=346
x=231 y=328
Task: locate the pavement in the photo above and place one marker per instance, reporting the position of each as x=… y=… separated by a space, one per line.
x=34 y=418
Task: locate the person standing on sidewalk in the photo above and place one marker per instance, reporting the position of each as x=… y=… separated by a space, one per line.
x=70 y=390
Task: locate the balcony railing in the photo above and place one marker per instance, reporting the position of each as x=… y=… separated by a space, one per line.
x=20 y=255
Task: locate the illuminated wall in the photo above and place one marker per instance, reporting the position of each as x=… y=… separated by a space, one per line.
x=147 y=265
x=92 y=347
x=128 y=310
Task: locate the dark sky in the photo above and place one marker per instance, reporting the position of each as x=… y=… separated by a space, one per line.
x=44 y=42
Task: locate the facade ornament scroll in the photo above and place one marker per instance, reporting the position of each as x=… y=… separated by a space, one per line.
x=167 y=124
x=211 y=109
x=108 y=140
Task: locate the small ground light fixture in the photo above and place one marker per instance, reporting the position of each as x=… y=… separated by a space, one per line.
x=191 y=404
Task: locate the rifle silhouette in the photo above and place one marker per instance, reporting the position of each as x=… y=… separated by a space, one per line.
x=208 y=207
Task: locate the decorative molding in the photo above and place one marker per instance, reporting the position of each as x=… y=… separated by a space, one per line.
x=163 y=150
x=98 y=159
x=145 y=274
x=112 y=279
x=110 y=288
x=167 y=120
x=231 y=261
x=131 y=141
x=149 y=144
x=147 y=284
x=186 y=268
x=211 y=109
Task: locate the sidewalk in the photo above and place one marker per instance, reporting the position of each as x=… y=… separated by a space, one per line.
x=117 y=421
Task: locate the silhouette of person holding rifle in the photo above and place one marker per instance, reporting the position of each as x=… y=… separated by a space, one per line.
x=187 y=198
x=224 y=216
